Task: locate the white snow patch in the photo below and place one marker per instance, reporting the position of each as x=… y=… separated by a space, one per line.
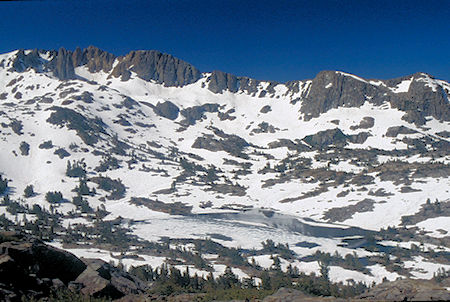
x=438 y=226
x=403 y=86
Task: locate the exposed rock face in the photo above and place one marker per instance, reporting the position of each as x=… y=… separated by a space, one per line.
x=47 y=261
x=298 y=146
x=195 y=113
x=292 y=295
x=251 y=86
x=331 y=89
x=334 y=137
x=421 y=99
x=323 y=139
x=407 y=290
x=30 y=267
x=359 y=138
x=444 y=134
x=64 y=61
x=366 y=123
x=154 y=65
x=22 y=61
x=344 y=213
x=232 y=144
x=94 y=58
x=167 y=109
x=148 y=65
x=100 y=279
x=25 y=265
x=87 y=129
x=265 y=109
x=396 y=130
x=62 y=65
x=265 y=127
x=220 y=81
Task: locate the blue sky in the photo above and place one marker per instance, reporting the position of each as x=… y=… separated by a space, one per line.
x=269 y=40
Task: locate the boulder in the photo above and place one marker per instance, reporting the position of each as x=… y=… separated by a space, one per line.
x=167 y=110
x=323 y=139
x=293 y=295
x=30 y=267
x=100 y=279
x=196 y=113
x=396 y=130
x=407 y=290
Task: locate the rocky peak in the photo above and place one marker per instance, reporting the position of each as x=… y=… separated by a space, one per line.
x=154 y=65
x=424 y=97
x=94 y=58
x=148 y=65
x=62 y=65
x=332 y=89
x=24 y=61
x=64 y=61
x=418 y=98
x=220 y=81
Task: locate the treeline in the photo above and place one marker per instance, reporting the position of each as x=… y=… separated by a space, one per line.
x=169 y=280
x=46 y=225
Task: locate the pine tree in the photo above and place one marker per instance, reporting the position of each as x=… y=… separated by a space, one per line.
x=53 y=197
x=3 y=184
x=265 y=280
x=28 y=191
x=324 y=270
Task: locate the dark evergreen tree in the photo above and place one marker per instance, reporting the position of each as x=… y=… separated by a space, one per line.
x=76 y=169
x=228 y=279
x=54 y=197
x=83 y=188
x=266 y=280
x=28 y=191
x=324 y=270
x=3 y=184
x=211 y=175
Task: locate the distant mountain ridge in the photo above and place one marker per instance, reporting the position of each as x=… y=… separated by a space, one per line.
x=419 y=96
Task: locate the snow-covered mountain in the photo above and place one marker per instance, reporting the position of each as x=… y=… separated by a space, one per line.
x=180 y=153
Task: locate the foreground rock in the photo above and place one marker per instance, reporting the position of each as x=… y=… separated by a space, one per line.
x=29 y=267
x=407 y=290
x=100 y=279
x=292 y=295
x=400 y=290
